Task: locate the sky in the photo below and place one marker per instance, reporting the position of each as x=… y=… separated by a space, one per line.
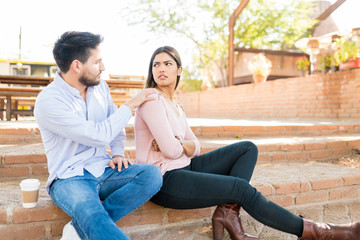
x=126 y=49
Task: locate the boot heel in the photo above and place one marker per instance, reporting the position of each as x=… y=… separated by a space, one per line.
x=218 y=230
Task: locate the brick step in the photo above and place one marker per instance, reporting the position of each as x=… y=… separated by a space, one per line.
x=321 y=191
x=29 y=132
x=29 y=160
x=19 y=135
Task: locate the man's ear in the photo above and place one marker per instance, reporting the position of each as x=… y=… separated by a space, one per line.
x=76 y=66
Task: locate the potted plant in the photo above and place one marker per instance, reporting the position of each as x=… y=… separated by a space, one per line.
x=260 y=67
x=325 y=62
x=347 y=53
x=303 y=64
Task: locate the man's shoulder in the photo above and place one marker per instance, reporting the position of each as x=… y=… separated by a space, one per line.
x=50 y=91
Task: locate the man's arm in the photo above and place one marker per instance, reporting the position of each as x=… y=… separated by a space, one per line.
x=54 y=115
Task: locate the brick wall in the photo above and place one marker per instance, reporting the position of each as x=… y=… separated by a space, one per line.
x=333 y=95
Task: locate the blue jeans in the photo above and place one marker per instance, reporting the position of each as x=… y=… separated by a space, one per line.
x=95 y=204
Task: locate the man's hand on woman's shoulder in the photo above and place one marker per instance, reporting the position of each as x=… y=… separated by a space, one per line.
x=140 y=98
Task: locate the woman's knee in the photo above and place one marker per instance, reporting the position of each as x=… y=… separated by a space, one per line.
x=251 y=146
x=247 y=146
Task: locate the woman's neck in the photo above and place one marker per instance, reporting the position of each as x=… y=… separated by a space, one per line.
x=166 y=92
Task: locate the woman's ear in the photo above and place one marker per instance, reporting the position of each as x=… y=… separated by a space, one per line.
x=180 y=71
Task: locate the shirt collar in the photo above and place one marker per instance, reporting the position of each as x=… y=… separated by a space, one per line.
x=59 y=81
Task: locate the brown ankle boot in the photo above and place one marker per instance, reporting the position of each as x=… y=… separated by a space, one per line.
x=227 y=216
x=327 y=231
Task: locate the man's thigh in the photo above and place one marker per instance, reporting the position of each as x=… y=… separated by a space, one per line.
x=76 y=192
x=112 y=179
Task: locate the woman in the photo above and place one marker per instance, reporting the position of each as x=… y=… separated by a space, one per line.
x=220 y=177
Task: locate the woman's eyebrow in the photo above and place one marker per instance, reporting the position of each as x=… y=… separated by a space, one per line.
x=166 y=61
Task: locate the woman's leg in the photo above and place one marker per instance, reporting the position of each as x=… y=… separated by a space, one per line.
x=186 y=189
x=238 y=160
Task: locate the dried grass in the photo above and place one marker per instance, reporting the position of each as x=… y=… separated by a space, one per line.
x=349 y=161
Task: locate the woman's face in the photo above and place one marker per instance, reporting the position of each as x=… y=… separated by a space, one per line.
x=165 y=70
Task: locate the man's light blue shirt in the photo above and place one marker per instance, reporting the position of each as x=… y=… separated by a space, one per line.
x=76 y=133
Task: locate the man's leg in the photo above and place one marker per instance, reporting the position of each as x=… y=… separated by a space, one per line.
x=79 y=198
x=128 y=189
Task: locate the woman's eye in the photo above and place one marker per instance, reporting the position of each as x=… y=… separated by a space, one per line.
x=168 y=64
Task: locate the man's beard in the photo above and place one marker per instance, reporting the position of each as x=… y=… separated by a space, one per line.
x=88 y=81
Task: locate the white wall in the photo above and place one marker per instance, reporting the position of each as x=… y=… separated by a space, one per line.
x=4 y=68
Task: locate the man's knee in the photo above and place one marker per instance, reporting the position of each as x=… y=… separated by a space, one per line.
x=151 y=175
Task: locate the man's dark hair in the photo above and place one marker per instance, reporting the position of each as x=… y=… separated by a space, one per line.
x=74 y=45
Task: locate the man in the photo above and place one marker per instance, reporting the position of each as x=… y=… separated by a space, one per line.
x=78 y=120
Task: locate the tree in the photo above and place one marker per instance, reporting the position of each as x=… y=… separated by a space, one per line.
x=265 y=24
x=189 y=82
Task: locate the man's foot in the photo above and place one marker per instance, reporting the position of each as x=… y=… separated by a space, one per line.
x=69 y=233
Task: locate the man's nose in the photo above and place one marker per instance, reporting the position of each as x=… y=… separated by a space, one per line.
x=102 y=67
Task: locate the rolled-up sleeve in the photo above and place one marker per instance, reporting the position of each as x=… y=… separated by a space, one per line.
x=189 y=135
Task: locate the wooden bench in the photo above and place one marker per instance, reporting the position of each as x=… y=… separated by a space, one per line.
x=126 y=85
x=120 y=97
x=25 y=80
x=125 y=82
x=122 y=88
x=120 y=83
x=10 y=94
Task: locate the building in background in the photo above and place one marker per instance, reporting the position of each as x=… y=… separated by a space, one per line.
x=27 y=68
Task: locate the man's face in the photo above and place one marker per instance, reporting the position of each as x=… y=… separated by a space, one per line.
x=92 y=69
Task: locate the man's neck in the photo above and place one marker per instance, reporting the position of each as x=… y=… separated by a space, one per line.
x=74 y=82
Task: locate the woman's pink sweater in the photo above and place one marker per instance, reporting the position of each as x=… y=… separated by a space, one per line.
x=157 y=120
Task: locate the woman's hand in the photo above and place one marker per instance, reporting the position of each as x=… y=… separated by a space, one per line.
x=119 y=160
x=155 y=146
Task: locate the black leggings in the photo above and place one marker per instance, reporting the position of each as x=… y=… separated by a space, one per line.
x=222 y=176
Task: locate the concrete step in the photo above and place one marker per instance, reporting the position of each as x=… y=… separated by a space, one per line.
x=29 y=160
x=321 y=191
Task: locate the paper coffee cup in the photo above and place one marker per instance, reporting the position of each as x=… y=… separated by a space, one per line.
x=30 y=192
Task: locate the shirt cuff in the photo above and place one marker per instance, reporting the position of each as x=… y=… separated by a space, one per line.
x=197 y=148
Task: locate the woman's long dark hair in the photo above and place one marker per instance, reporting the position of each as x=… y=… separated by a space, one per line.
x=150 y=82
